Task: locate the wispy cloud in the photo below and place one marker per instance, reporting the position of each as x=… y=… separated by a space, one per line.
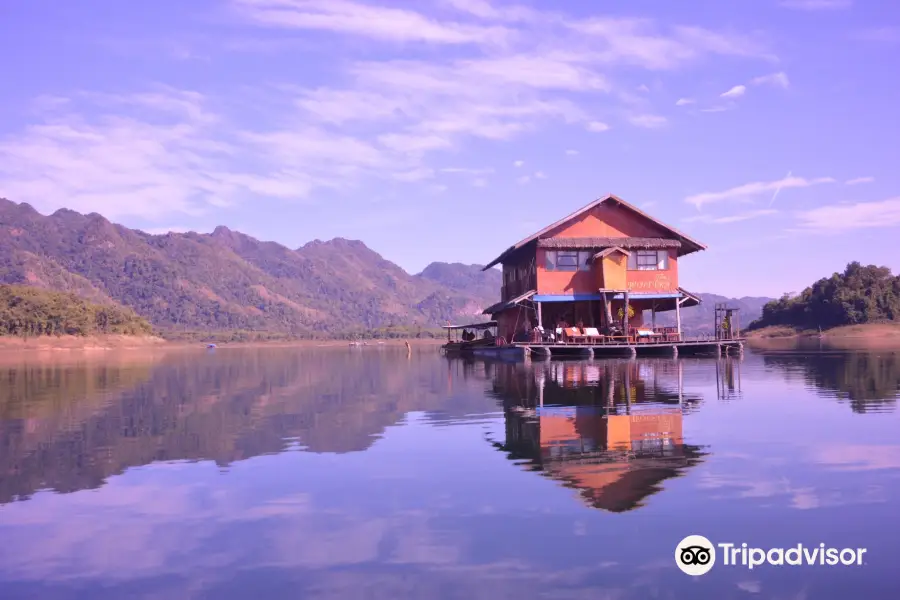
x=735 y=92
x=540 y=175
x=779 y=79
x=844 y=217
x=643 y=43
x=510 y=72
x=749 y=190
x=647 y=121
x=524 y=179
x=571 y=152
x=859 y=180
x=736 y=218
x=467 y=170
x=519 y=163
x=815 y=5
x=684 y=101
x=719 y=108
x=597 y=126
x=377 y=22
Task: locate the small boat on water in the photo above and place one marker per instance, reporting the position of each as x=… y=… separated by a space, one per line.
x=463 y=340
x=210 y=346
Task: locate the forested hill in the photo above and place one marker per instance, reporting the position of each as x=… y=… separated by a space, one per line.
x=28 y=311
x=861 y=294
x=228 y=281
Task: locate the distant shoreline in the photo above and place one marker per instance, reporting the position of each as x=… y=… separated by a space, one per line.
x=870 y=335
x=105 y=343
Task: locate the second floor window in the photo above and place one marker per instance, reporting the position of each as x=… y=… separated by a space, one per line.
x=649 y=260
x=567 y=260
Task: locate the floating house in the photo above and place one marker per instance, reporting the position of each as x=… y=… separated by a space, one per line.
x=606 y=265
x=597 y=279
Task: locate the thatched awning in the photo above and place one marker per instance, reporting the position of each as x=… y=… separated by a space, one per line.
x=584 y=243
x=506 y=304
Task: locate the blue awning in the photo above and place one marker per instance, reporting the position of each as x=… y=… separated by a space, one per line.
x=647 y=296
x=585 y=297
x=565 y=297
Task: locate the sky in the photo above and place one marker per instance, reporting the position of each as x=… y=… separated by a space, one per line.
x=448 y=130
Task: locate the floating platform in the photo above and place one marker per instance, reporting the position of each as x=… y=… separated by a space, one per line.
x=519 y=351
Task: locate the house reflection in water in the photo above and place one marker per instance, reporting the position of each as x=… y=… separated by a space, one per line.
x=613 y=430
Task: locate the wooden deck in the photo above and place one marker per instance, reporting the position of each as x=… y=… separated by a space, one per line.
x=610 y=348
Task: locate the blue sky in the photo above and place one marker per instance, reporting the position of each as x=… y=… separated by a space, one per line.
x=448 y=130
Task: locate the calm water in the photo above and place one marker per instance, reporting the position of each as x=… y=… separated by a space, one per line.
x=367 y=473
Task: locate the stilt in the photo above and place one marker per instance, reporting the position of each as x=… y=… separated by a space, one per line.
x=590 y=353
x=675 y=351
x=625 y=313
x=633 y=351
x=719 y=350
x=678 y=317
x=607 y=309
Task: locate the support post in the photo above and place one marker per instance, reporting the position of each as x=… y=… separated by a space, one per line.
x=607 y=309
x=540 y=322
x=633 y=351
x=653 y=316
x=678 y=317
x=625 y=312
x=675 y=351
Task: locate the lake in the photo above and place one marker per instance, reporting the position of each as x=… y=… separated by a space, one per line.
x=370 y=473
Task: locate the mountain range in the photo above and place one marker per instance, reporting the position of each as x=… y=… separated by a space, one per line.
x=229 y=281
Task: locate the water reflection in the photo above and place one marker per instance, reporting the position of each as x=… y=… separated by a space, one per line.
x=71 y=427
x=365 y=474
x=868 y=381
x=611 y=430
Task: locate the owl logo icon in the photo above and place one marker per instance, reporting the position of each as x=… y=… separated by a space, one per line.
x=695 y=555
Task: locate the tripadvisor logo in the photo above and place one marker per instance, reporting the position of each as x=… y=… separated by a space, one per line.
x=696 y=555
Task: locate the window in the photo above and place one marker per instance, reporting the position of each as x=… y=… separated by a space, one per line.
x=584 y=260
x=550 y=260
x=567 y=260
x=649 y=260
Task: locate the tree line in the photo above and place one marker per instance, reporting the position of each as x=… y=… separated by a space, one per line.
x=29 y=311
x=861 y=294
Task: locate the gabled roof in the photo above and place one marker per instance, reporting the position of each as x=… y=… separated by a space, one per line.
x=606 y=252
x=688 y=244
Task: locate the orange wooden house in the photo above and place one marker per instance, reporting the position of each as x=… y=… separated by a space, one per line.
x=607 y=265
